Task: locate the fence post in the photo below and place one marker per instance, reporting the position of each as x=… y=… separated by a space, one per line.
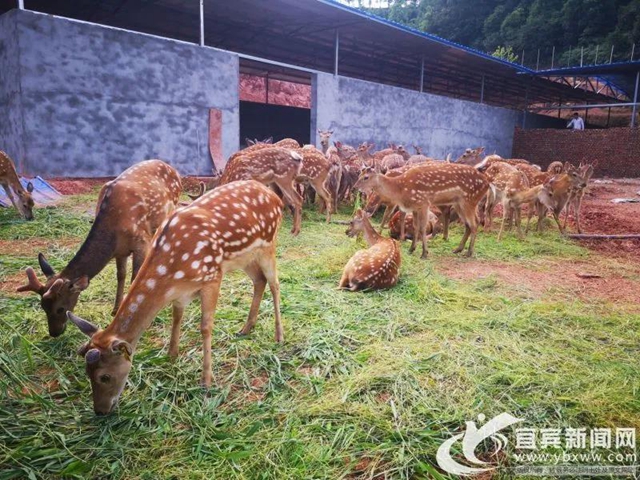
x=611 y=57
x=422 y=75
x=337 y=52
x=553 y=56
x=482 y=90
x=635 y=100
x=596 y=60
x=538 y=61
x=202 y=23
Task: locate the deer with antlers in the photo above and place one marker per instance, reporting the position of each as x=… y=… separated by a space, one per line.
x=441 y=185
x=230 y=228
x=10 y=182
x=270 y=166
x=129 y=210
x=375 y=268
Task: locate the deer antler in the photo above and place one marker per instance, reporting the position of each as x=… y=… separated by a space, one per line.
x=33 y=284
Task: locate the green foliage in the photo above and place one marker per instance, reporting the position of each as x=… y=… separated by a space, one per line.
x=366 y=385
x=525 y=24
x=505 y=53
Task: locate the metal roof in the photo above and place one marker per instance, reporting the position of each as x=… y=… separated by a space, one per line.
x=302 y=33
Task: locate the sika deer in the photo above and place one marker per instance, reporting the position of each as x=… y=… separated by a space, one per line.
x=422 y=186
x=275 y=165
x=395 y=225
x=10 y=181
x=233 y=227
x=325 y=136
x=315 y=170
x=335 y=175
x=375 y=268
x=129 y=211
x=576 y=195
x=392 y=162
x=471 y=156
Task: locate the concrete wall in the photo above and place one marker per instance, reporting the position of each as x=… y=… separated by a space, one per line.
x=95 y=100
x=359 y=111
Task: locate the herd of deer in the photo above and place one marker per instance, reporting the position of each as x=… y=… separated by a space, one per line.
x=178 y=253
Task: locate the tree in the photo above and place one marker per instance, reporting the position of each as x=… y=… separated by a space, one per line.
x=506 y=53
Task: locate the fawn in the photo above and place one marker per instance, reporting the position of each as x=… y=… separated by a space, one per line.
x=395 y=229
x=232 y=227
x=274 y=165
x=375 y=268
x=129 y=211
x=10 y=181
x=422 y=186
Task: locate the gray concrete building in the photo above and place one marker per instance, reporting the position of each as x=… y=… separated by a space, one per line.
x=91 y=94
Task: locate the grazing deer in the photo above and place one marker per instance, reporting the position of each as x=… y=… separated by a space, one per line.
x=576 y=195
x=10 y=181
x=275 y=165
x=422 y=186
x=395 y=227
x=129 y=211
x=315 y=171
x=325 y=136
x=556 y=193
x=233 y=227
x=375 y=268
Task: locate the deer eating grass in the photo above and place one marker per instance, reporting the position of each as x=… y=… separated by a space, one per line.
x=233 y=227
x=10 y=182
x=375 y=268
x=423 y=186
x=129 y=211
x=275 y=165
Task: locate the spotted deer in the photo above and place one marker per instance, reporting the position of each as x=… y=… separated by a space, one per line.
x=129 y=211
x=275 y=165
x=555 y=168
x=230 y=228
x=391 y=162
x=375 y=268
x=576 y=195
x=10 y=182
x=315 y=171
x=395 y=228
x=289 y=143
x=471 y=156
x=325 y=136
x=441 y=185
x=335 y=175
x=346 y=152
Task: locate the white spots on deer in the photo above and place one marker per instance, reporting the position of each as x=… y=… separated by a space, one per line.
x=178 y=275
x=161 y=269
x=150 y=283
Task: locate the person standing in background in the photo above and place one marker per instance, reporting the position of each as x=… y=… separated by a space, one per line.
x=576 y=123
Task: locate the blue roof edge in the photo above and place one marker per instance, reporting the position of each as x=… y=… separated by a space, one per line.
x=427 y=36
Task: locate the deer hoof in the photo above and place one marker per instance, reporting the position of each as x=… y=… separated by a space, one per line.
x=424 y=255
x=457 y=250
x=469 y=254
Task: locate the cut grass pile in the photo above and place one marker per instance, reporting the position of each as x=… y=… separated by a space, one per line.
x=366 y=384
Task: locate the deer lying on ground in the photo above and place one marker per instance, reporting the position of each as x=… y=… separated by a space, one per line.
x=233 y=227
x=275 y=165
x=395 y=227
x=10 y=182
x=556 y=193
x=129 y=210
x=315 y=171
x=375 y=268
x=576 y=195
x=441 y=185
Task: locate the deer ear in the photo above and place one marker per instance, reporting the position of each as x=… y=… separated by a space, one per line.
x=80 y=284
x=45 y=267
x=53 y=289
x=122 y=347
x=86 y=327
x=29 y=187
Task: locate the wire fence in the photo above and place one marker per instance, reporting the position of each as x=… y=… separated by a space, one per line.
x=549 y=58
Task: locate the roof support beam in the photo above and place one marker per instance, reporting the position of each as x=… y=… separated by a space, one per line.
x=202 y=23
x=635 y=100
x=422 y=75
x=336 y=56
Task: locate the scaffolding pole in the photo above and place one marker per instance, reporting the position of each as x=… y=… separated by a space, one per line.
x=201 y=22
x=422 y=76
x=337 y=52
x=635 y=100
x=482 y=90
x=21 y=4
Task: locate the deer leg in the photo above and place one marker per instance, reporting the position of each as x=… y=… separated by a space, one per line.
x=472 y=227
x=9 y=191
x=326 y=198
x=424 y=214
x=542 y=213
x=578 y=207
x=121 y=275
x=259 y=284
x=294 y=199
x=518 y=220
x=139 y=255
x=270 y=271
x=209 y=299
x=177 y=315
x=504 y=220
x=416 y=229
x=386 y=216
x=488 y=211
x=556 y=217
x=446 y=216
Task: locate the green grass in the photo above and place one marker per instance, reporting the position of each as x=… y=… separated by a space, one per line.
x=366 y=384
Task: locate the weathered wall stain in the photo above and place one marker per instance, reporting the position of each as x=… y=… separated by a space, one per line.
x=96 y=100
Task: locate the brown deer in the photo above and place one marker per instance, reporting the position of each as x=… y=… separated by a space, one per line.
x=395 y=228
x=503 y=178
x=513 y=201
x=422 y=186
x=375 y=268
x=471 y=156
x=10 y=182
x=391 y=162
x=556 y=193
x=325 y=136
x=129 y=211
x=335 y=175
x=576 y=195
x=233 y=227
x=275 y=165
x=346 y=152
x=555 y=168
x=315 y=171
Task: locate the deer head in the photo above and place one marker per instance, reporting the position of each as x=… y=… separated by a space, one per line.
x=417 y=149
x=325 y=135
x=471 y=156
x=108 y=362
x=357 y=224
x=25 y=201
x=368 y=179
x=57 y=296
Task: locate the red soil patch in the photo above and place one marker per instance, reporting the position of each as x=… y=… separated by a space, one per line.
x=76 y=186
x=556 y=279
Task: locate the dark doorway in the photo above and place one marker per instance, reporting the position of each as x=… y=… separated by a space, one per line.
x=260 y=120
